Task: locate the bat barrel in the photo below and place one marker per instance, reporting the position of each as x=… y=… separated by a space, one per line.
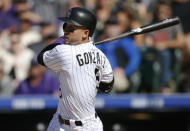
x=160 y=25
x=144 y=29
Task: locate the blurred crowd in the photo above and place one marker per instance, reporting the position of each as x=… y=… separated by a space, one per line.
x=156 y=62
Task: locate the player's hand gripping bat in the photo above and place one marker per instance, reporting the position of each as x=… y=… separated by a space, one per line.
x=145 y=29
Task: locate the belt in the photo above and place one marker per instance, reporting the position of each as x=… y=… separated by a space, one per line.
x=67 y=122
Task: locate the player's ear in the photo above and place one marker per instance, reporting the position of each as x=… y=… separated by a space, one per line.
x=86 y=34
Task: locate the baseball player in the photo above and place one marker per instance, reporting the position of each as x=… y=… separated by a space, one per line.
x=82 y=69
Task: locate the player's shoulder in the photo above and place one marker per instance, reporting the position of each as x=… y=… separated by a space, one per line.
x=62 y=48
x=98 y=50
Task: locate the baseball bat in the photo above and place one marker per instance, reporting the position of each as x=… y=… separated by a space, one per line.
x=144 y=29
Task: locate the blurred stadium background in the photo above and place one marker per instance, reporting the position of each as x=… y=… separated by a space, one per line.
x=152 y=72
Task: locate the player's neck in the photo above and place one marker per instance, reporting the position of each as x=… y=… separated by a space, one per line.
x=83 y=41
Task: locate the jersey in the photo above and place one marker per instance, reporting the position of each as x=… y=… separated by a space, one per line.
x=80 y=69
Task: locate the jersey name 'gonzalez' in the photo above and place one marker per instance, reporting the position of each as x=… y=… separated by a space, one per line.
x=90 y=57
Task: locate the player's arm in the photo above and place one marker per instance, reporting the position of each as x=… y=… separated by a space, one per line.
x=106 y=87
x=47 y=48
x=107 y=78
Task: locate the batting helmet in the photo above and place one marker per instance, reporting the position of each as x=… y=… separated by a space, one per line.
x=80 y=17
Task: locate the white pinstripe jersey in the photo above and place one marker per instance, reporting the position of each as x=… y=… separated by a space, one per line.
x=76 y=65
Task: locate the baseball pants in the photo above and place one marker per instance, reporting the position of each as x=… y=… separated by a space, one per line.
x=91 y=124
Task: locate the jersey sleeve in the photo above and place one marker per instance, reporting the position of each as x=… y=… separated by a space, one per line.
x=54 y=59
x=106 y=72
x=107 y=78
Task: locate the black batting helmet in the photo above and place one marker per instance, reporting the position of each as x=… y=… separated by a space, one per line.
x=80 y=17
